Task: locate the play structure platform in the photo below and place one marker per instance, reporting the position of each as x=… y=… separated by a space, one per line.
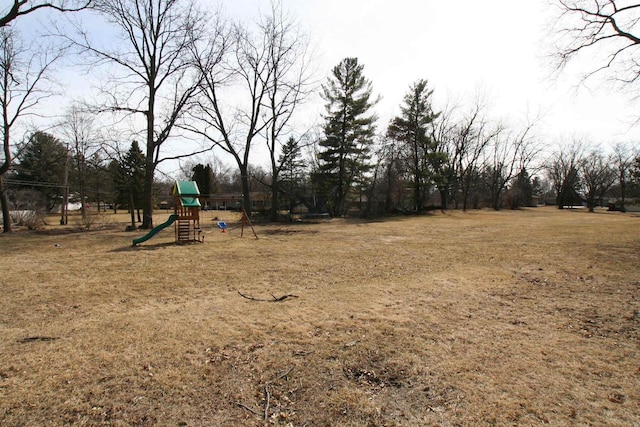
x=185 y=217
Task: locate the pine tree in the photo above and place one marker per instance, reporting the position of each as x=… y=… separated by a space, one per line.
x=411 y=131
x=521 y=192
x=42 y=164
x=203 y=176
x=292 y=169
x=348 y=133
x=128 y=178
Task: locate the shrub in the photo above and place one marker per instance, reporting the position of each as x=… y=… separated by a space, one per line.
x=32 y=219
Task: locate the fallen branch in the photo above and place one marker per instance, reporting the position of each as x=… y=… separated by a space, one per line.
x=302 y=353
x=267 y=395
x=242 y=405
x=36 y=338
x=275 y=299
x=266 y=404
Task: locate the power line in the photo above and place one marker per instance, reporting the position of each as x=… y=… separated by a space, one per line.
x=33 y=183
x=24 y=183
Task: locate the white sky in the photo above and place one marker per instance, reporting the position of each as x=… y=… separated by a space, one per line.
x=462 y=47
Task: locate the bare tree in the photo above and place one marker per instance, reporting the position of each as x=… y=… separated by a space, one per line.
x=266 y=70
x=82 y=135
x=443 y=135
x=472 y=136
x=597 y=177
x=24 y=83
x=622 y=159
x=389 y=174
x=237 y=63
x=605 y=29
x=151 y=73
x=507 y=156
x=563 y=170
x=19 y=8
x=289 y=84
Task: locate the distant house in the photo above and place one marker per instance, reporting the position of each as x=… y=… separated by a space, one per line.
x=630 y=205
x=538 y=200
x=233 y=201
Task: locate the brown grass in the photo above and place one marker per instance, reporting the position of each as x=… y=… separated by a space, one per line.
x=481 y=318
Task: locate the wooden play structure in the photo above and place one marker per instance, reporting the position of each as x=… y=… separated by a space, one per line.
x=186 y=216
x=186 y=207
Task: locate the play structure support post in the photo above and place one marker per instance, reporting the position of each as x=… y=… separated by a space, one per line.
x=246 y=220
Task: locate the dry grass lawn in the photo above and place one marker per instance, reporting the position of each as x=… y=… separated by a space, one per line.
x=451 y=319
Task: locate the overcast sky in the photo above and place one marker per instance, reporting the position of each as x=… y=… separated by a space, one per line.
x=462 y=47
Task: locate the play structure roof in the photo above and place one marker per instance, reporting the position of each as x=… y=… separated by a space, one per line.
x=188 y=192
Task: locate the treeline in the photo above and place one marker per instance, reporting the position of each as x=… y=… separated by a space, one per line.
x=424 y=160
x=182 y=74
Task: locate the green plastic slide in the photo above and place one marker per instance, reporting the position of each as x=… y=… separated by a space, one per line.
x=155 y=230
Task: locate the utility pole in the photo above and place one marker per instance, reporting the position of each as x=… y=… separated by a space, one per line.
x=64 y=219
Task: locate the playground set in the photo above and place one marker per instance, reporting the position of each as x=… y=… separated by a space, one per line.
x=186 y=216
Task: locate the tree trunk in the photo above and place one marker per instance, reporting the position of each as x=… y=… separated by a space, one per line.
x=338 y=204
x=83 y=206
x=6 y=217
x=623 y=193
x=275 y=190
x=417 y=194
x=443 y=198
x=497 y=199
x=132 y=210
x=370 y=192
x=465 y=195
x=417 y=182
x=275 y=202
x=388 y=201
x=104 y=206
x=246 y=189
x=291 y=200
x=147 y=201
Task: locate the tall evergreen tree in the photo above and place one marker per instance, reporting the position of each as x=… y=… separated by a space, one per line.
x=521 y=192
x=348 y=133
x=292 y=170
x=128 y=176
x=411 y=131
x=42 y=166
x=203 y=176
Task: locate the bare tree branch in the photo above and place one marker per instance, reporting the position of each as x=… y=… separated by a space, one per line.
x=605 y=29
x=24 y=7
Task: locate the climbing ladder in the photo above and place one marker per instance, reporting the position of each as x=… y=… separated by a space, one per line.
x=188 y=230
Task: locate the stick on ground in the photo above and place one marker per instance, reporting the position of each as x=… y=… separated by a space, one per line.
x=274 y=298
